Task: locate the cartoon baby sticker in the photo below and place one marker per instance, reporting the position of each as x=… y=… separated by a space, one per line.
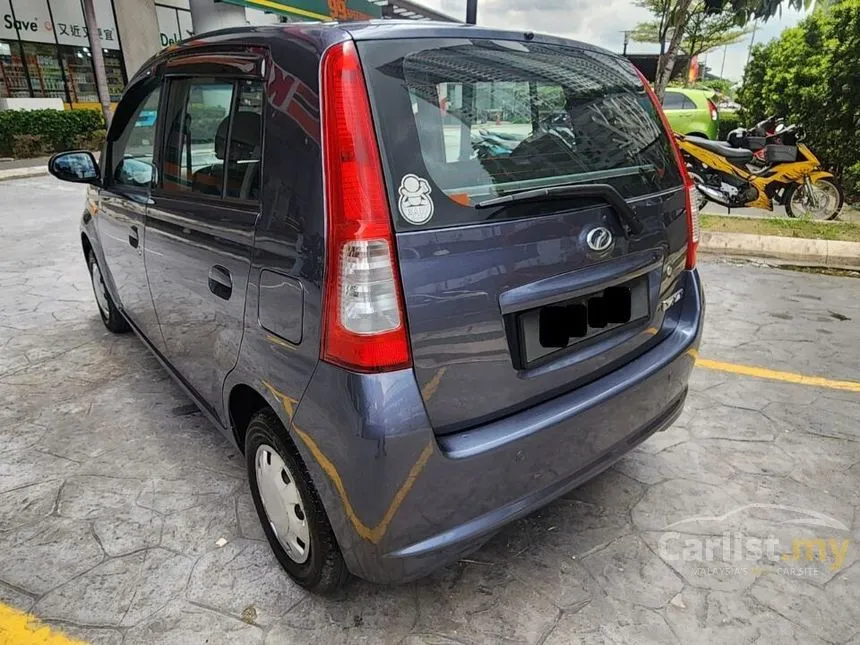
x=414 y=202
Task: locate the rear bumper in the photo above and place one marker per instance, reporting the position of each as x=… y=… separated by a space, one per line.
x=403 y=501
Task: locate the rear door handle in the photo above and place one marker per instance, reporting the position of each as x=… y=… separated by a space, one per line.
x=220 y=282
x=133 y=237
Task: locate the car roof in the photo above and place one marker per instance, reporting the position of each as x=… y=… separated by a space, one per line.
x=326 y=33
x=384 y=29
x=692 y=93
x=697 y=96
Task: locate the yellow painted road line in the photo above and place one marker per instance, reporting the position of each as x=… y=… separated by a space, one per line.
x=775 y=375
x=20 y=628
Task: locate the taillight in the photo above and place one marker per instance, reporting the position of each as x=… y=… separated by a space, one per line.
x=692 y=225
x=364 y=325
x=713 y=110
x=689 y=185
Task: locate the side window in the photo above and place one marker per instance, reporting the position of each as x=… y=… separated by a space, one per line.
x=244 y=154
x=198 y=120
x=674 y=101
x=688 y=104
x=132 y=148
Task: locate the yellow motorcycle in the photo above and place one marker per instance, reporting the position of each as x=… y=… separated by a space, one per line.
x=792 y=176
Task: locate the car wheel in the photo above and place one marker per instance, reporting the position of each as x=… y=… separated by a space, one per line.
x=111 y=316
x=290 y=509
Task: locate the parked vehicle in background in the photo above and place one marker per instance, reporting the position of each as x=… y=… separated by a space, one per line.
x=692 y=112
x=789 y=173
x=418 y=328
x=728 y=105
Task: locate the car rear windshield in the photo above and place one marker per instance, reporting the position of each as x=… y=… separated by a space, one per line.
x=463 y=121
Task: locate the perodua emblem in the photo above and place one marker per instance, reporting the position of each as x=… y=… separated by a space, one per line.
x=599 y=239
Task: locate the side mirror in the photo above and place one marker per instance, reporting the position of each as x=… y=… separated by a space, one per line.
x=78 y=166
x=136 y=172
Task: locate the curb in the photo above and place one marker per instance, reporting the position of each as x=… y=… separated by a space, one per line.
x=832 y=253
x=22 y=173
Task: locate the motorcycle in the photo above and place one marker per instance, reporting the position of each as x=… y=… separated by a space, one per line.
x=755 y=138
x=768 y=131
x=791 y=175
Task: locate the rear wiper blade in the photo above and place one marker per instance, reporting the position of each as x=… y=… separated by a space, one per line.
x=626 y=215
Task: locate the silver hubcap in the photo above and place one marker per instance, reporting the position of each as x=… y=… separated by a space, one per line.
x=820 y=204
x=100 y=290
x=282 y=503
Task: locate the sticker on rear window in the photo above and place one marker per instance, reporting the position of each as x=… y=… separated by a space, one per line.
x=414 y=204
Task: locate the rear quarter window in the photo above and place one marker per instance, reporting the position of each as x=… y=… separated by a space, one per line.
x=461 y=121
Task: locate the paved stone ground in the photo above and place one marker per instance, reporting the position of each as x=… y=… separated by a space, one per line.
x=113 y=492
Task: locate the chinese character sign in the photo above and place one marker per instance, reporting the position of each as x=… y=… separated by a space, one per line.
x=32 y=22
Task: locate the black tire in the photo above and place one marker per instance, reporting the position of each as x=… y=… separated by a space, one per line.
x=793 y=187
x=110 y=314
x=324 y=571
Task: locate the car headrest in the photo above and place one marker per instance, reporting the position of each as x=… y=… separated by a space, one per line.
x=246 y=137
x=221 y=137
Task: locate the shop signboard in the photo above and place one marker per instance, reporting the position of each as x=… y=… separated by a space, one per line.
x=28 y=18
x=71 y=28
x=30 y=21
x=316 y=9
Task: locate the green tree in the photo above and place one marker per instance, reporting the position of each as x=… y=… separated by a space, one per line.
x=706 y=32
x=809 y=76
x=720 y=85
x=703 y=31
x=746 y=10
x=672 y=18
x=657 y=30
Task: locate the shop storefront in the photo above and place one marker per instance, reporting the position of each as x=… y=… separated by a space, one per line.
x=174 y=21
x=45 y=53
x=45 y=58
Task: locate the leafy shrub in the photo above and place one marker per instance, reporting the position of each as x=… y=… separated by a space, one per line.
x=28 y=145
x=720 y=85
x=851 y=181
x=92 y=141
x=58 y=129
x=809 y=75
x=728 y=122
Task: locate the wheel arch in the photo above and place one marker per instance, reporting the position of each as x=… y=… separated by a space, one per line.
x=86 y=244
x=242 y=404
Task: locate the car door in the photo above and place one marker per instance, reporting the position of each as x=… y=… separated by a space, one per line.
x=200 y=224
x=121 y=223
x=681 y=112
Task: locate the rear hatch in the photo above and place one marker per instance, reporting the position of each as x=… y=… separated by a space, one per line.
x=539 y=214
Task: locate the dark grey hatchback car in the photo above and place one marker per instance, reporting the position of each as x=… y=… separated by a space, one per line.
x=427 y=277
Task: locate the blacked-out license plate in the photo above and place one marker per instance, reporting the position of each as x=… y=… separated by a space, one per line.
x=552 y=328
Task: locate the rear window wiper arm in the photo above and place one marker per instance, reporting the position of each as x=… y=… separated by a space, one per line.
x=626 y=215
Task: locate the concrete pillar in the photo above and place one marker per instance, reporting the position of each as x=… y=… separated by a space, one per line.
x=138 y=32
x=209 y=16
